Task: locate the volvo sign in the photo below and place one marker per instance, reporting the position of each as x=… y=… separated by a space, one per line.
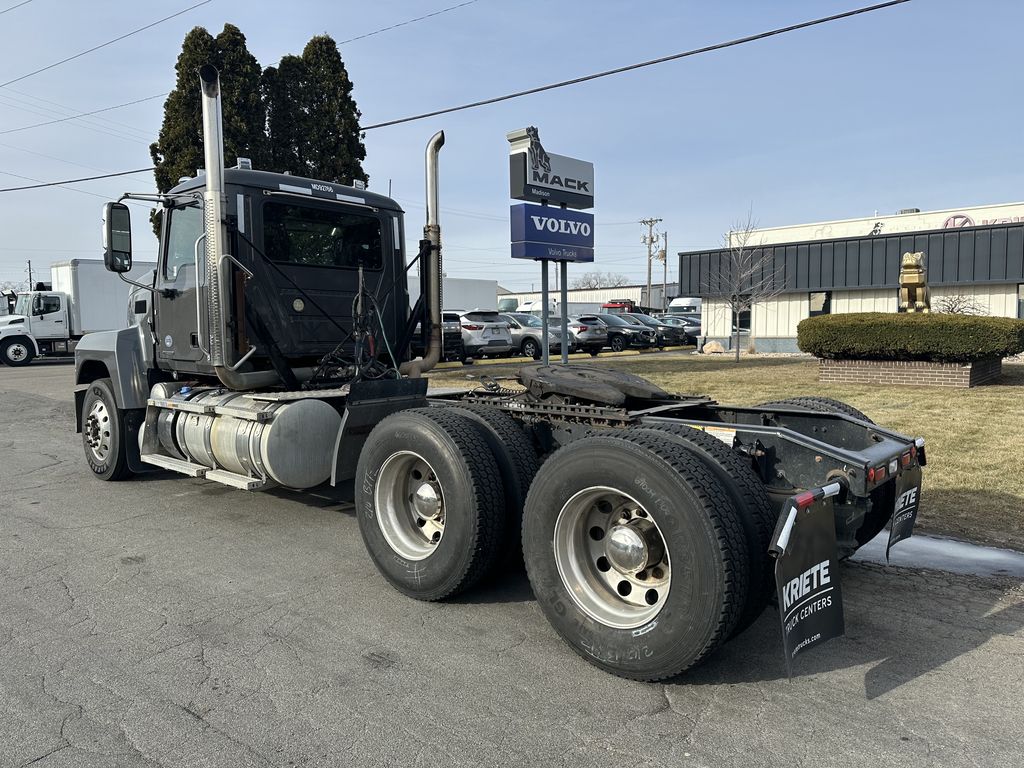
x=539 y=176
x=545 y=232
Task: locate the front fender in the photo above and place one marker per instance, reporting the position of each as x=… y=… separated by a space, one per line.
x=123 y=356
x=18 y=331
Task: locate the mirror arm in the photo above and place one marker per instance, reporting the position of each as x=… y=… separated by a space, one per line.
x=150 y=288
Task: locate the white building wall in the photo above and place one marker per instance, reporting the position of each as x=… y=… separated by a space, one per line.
x=715 y=318
x=780 y=315
x=996 y=300
x=599 y=295
x=874 y=300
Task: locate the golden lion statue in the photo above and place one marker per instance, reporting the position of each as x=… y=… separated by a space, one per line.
x=914 y=284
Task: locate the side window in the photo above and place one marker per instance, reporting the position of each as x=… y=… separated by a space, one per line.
x=48 y=304
x=186 y=225
x=821 y=303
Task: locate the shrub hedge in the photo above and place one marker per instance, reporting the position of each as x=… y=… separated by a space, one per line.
x=935 y=337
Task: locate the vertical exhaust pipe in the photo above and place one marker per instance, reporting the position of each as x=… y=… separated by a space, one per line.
x=432 y=234
x=214 y=203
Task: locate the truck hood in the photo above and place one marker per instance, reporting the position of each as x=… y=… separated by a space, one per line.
x=12 y=319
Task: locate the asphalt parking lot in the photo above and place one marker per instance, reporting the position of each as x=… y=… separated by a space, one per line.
x=171 y=621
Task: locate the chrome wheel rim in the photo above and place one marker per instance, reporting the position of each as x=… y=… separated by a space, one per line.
x=17 y=352
x=97 y=431
x=612 y=558
x=410 y=505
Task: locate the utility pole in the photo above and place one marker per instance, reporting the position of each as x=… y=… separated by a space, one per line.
x=31 y=285
x=649 y=239
x=663 y=258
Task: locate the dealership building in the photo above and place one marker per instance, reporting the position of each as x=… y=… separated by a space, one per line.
x=853 y=265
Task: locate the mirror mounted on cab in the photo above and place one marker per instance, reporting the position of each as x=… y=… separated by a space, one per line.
x=117 y=237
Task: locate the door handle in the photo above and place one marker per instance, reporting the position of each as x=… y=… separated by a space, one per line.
x=59 y=321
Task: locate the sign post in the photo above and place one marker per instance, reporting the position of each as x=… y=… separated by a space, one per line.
x=545 y=233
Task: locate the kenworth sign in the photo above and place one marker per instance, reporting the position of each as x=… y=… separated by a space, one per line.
x=546 y=232
x=539 y=176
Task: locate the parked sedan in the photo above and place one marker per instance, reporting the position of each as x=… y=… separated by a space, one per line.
x=623 y=333
x=668 y=335
x=526 y=333
x=485 y=333
x=589 y=333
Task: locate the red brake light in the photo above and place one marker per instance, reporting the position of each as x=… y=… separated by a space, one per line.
x=905 y=459
x=471 y=327
x=804 y=499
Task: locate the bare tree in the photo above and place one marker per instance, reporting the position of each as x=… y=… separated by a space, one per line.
x=746 y=275
x=959 y=305
x=599 y=280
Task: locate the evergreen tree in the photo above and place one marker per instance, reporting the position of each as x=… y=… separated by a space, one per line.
x=178 y=150
x=312 y=119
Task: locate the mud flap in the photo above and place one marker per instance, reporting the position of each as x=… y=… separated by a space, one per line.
x=806 y=572
x=908 y=500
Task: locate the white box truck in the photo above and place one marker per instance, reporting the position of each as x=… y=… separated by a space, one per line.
x=84 y=298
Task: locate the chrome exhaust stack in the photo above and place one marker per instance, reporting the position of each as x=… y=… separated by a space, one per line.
x=432 y=234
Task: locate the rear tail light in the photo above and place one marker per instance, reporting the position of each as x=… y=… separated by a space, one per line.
x=876 y=474
x=472 y=327
x=906 y=458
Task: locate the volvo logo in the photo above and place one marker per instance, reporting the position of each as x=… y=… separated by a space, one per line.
x=561 y=226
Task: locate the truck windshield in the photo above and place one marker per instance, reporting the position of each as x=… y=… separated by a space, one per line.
x=23 y=306
x=322 y=237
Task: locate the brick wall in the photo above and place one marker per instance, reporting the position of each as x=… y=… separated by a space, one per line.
x=909 y=372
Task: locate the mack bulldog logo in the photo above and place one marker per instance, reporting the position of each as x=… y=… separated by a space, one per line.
x=538 y=157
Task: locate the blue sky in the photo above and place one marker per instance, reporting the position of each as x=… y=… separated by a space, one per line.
x=914 y=106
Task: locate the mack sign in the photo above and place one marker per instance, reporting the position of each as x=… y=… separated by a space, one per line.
x=541 y=176
x=557 y=234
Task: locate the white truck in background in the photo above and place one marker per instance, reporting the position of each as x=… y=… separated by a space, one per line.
x=461 y=292
x=84 y=298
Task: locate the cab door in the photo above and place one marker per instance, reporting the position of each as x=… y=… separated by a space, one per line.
x=177 y=332
x=49 y=316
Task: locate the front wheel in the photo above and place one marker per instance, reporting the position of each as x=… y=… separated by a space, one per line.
x=17 y=352
x=104 y=433
x=531 y=349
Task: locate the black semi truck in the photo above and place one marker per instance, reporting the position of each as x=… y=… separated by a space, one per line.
x=273 y=350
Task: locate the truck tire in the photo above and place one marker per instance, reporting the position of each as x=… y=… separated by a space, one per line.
x=607 y=519
x=430 y=502
x=748 y=494
x=531 y=349
x=518 y=463
x=104 y=434
x=883 y=498
x=17 y=352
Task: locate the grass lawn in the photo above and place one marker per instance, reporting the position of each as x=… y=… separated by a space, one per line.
x=974 y=481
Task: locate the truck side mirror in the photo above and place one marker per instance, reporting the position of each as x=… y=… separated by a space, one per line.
x=117 y=237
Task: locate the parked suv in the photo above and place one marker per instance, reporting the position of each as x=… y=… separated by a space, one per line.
x=526 y=333
x=484 y=333
x=589 y=333
x=623 y=334
x=668 y=335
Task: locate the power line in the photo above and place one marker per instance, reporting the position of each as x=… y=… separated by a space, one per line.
x=103 y=45
x=75 y=181
x=82 y=114
x=24 y=2
x=410 y=21
x=630 y=67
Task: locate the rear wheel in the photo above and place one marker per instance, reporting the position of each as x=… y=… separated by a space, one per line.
x=517 y=462
x=430 y=502
x=631 y=557
x=618 y=343
x=104 y=434
x=750 y=499
x=17 y=352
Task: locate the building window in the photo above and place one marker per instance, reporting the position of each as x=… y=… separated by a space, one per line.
x=821 y=303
